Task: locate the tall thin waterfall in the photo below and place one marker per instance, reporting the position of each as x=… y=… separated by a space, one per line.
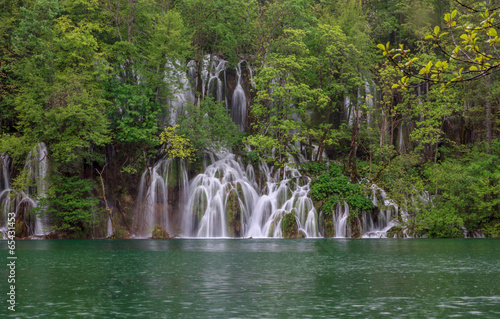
x=183 y=88
x=340 y=218
x=225 y=202
x=6 y=205
x=239 y=102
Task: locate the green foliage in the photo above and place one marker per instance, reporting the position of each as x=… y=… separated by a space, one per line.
x=466 y=59
x=335 y=187
x=440 y=223
x=208 y=126
x=289 y=226
x=313 y=168
x=134 y=113
x=70 y=204
x=468 y=186
x=250 y=157
x=176 y=146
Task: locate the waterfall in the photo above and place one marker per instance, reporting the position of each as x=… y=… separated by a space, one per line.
x=377 y=225
x=340 y=221
x=401 y=145
x=6 y=205
x=183 y=88
x=239 y=102
x=109 y=228
x=232 y=199
x=157 y=182
x=226 y=201
x=37 y=165
x=211 y=73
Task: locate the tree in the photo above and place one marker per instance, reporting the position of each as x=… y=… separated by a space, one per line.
x=175 y=145
x=468 y=45
x=208 y=126
x=71 y=206
x=282 y=98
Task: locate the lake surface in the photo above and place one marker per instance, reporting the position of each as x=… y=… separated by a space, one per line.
x=265 y=278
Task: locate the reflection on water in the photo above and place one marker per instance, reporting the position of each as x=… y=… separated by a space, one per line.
x=234 y=278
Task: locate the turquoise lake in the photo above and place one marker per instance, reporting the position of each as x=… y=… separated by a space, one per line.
x=264 y=278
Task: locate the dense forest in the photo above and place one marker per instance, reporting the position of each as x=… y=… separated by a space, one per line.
x=373 y=101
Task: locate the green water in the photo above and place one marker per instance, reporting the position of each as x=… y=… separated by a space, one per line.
x=189 y=278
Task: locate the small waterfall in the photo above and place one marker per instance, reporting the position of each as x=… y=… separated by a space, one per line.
x=340 y=221
x=377 y=225
x=225 y=201
x=183 y=88
x=211 y=73
x=156 y=184
x=401 y=145
x=239 y=102
x=109 y=228
x=6 y=205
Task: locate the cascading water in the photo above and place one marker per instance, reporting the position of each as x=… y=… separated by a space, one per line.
x=37 y=165
x=211 y=73
x=225 y=202
x=153 y=201
x=239 y=102
x=6 y=205
x=183 y=88
x=342 y=229
x=376 y=226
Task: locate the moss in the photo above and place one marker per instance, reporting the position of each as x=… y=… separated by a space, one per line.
x=200 y=206
x=289 y=225
x=21 y=229
x=121 y=233
x=173 y=174
x=241 y=195
x=160 y=233
x=329 y=227
x=233 y=214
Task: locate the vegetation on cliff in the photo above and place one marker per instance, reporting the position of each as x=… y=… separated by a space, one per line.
x=96 y=80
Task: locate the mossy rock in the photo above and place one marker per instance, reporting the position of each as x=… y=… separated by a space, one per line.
x=121 y=234
x=329 y=226
x=353 y=221
x=233 y=214
x=21 y=230
x=289 y=226
x=302 y=180
x=173 y=174
x=160 y=233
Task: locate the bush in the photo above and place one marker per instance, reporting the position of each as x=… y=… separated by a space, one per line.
x=334 y=187
x=440 y=223
x=70 y=204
